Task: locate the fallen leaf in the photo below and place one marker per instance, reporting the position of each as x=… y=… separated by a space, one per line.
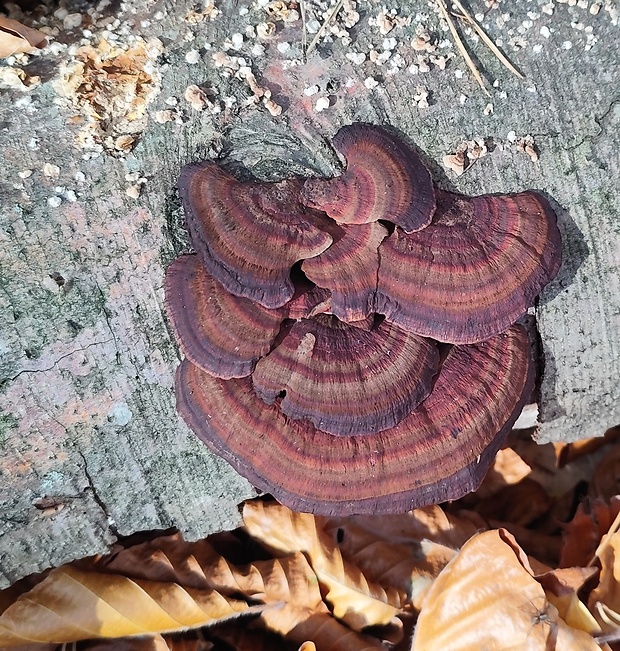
x=487 y=598
x=569 y=452
x=544 y=547
x=427 y=540
x=606 y=476
x=71 y=605
x=355 y=600
x=584 y=532
x=329 y=634
x=16 y=38
x=508 y=468
x=520 y=503
x=604 y=600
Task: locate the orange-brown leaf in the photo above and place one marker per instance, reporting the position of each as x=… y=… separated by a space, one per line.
x=584 y=532
x=486 y=598
x=329 y=634
x=606 y=596
x=569 y=452
x=70 y=605
x=508 y=468
x=16 y=38
x=354 y=599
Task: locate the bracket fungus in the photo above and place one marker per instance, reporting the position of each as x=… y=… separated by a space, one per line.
x=348 y=268
x=311 y=338
x=384 y=179
x=474 y=270
x=249 y=235
x=346 y=380
x=439 y=452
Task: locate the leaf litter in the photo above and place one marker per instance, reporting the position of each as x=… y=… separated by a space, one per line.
x=529 y=561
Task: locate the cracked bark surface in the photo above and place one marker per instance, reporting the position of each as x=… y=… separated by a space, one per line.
x=91 y=444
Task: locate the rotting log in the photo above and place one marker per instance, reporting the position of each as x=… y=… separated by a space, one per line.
x=92 y=447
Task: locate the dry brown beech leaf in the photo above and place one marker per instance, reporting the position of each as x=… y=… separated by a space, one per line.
x=354 y=599
x=508 y=468
x=521 y=503
x=327 y=633
x=154 y=643
x=569 y=452
x=584 y=532
x=606 y=476
x=604 y=600
x=71 y=604
x=249 y=638
x=504 y=608
x=426 y=523
x=197 y=565
x=404 y=551
x=16 y=38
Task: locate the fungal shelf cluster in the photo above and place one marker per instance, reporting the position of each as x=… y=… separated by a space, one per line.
x=351 y=343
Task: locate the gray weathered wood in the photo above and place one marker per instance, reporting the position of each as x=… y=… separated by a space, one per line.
x=87 y=369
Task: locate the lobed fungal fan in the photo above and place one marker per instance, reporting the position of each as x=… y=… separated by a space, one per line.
x=350 y=343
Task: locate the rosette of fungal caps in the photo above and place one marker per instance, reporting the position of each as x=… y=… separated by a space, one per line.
x=351 y=344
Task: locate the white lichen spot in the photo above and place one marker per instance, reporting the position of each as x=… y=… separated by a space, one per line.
x=167 y=115
x=51 y=171
x=133 y=191
x=54 y=202
x=313 y=26
x=192 y=57
x=545 y=31
x=196 y=97
x=311 y=90
x=272 y=107
x=321 y=104
x=370 y=83
x=265 y=30
x=356 y=57
x=389 y=43
x=421 y=97
x=121 y=414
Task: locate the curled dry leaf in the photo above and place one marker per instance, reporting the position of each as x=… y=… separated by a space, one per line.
x=568 y=452
x=521 y=503
x=508 y=468
x=505 y=607
x=604 y=600
x=16 y=38
x=606 y=477
x=169 y=559
x=404 y=551
x=71 y=605
x=584 y=532
x=354 y=599
x=328 y=633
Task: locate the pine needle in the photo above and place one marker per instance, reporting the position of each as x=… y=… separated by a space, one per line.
x=457 y=39
x=328 y=20
x=466 y=16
